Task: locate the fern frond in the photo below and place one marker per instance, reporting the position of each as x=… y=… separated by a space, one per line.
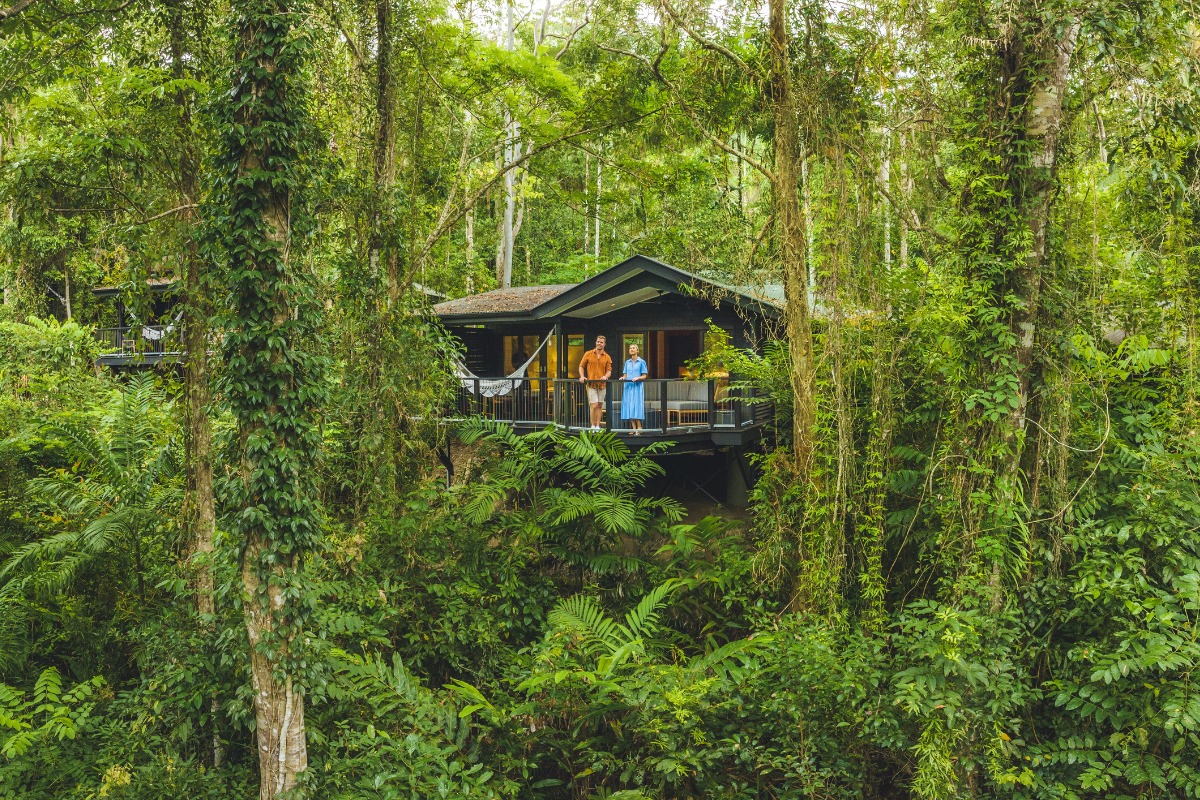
x=583 y=615
x=716 y=660
x=643 y=620
x=483 y=501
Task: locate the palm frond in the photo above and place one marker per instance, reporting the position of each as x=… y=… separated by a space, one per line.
x=85 y=445
x=628 y=649
x=671 y=509
x=616 y=512
x=73 y=495
x=47 y=550
x=564 y=506
x=602 y=564
x=14 y=633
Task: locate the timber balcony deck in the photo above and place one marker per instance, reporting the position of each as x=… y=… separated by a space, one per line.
x=694 y=414
x=126 y=345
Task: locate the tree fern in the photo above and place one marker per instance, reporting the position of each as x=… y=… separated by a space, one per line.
x=120 y=488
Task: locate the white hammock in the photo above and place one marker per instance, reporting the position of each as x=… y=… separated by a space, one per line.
x=152 y=334
x=493 y=388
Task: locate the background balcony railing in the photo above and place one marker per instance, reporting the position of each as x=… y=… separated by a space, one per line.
x=669 y=405
x=129 y=339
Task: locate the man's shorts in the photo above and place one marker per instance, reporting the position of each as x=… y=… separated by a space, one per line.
x=595 y=396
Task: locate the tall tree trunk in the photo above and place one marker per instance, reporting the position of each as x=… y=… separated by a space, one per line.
x=599 y=188
x=906 y=195
x=587 y=187
x=792 y=238
x=1033 y=160
x=469 y=236
x=384 y=153
x=272 y=382
x=201 y=511
x=885 y=179
x=511 y=149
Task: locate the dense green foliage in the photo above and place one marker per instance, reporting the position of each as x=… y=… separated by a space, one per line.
x=986 y=583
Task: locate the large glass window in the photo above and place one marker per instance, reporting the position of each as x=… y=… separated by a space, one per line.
x=518 y=349
x=576 y=347
x=626 y=340
x=716 y=339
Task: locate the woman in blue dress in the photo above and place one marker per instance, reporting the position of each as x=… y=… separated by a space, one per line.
x=633 y=405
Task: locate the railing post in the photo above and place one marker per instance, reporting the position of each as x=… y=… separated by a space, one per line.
x=512 y=390
x=478 y=398
x=608 y=404
x=712 y=403
x=738 y=406
x=662 y=405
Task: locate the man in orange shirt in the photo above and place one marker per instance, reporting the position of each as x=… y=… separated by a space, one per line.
x=596 y=366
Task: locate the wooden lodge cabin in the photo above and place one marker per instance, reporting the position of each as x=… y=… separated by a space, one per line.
x=662 y=309
x=130 y=343
x=127 y=342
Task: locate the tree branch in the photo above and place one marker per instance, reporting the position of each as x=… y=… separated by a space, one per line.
x=14 y=9
x=762 y=234
x=168 y=213
x=707 y=44
x=571 y=38
x=716 y=140
x=902 y=209
x=350 y=43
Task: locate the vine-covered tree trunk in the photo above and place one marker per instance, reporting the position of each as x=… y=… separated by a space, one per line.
x=272 y=383
x=793 y=237
x=1042 y=127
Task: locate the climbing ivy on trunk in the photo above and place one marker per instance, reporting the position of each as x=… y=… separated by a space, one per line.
x=273 y=378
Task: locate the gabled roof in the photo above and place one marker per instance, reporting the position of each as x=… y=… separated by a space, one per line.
x=515 y=299
x=152 y=284
x=632 y=281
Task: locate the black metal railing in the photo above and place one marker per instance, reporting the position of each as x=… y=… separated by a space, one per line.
x=668 y=406
x=133 y=339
